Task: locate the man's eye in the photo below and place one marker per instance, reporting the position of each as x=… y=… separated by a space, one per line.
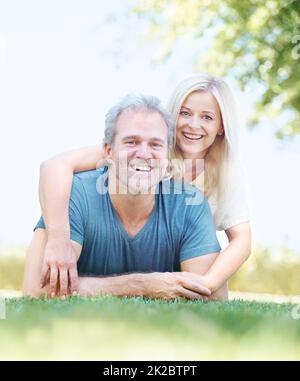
x=130 y=142
x=156 y=145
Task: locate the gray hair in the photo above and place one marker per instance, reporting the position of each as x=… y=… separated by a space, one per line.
x=137 y=102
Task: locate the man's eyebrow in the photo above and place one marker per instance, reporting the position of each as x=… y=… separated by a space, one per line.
x=138 y=137
x=158 y=140
x=130 y=137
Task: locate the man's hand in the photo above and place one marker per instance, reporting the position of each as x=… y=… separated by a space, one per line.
x=59 y=267
x=174 y=285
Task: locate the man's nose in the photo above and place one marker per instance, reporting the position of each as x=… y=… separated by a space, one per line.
x=144 y=151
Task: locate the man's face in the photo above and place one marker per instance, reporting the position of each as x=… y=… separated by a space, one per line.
x=140 y=150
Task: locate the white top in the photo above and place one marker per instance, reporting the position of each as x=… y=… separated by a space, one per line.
x=233 y=209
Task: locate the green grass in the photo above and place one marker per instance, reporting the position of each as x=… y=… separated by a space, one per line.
x=108 y=328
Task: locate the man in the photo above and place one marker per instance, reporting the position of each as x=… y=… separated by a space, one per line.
x=134 y=234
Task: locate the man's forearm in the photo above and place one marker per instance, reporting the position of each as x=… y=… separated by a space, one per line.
x=165 y=285
x=121 y=285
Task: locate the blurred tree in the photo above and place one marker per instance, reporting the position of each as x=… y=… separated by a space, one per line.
x=255 y=41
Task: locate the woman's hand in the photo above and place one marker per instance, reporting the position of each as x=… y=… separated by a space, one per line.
x=60 y=267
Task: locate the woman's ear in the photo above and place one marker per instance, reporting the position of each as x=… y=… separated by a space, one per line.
x=221 y=130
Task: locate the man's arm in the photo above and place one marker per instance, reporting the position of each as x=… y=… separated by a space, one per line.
x=150 y=285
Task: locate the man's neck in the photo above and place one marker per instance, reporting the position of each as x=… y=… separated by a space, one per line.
x=133 y=208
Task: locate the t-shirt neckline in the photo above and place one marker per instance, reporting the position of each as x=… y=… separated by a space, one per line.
x=142 y=231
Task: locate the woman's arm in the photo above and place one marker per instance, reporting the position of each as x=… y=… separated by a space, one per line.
x=56 y=176
x=231 y=258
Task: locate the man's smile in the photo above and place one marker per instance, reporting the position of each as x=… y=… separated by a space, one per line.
x=141 y=169
x=140 y=166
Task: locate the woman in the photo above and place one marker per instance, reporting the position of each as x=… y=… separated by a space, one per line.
x=206 y=133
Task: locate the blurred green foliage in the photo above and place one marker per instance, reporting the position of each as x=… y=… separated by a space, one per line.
x=11 y=272
x=12 y=267
x=255 y=41
x=268 y=270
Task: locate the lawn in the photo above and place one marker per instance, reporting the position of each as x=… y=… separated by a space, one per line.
x=108 y=328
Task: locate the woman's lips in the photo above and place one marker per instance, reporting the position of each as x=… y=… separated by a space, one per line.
x=192 y=137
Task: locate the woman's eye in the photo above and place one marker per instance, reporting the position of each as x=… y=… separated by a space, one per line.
x=207 y=117
x=184 y=113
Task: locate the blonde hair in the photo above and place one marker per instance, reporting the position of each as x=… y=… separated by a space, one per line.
x=221 y=155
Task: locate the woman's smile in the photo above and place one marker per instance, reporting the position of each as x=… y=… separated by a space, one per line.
x=191 y=137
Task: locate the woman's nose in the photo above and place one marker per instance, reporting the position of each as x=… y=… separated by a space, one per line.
x=195 y=122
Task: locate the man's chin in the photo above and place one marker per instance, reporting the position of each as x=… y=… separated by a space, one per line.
x=142 y=183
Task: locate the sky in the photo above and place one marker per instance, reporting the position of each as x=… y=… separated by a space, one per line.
x=63 y=64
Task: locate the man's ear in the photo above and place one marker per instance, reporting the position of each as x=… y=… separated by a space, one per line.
x=108 y=152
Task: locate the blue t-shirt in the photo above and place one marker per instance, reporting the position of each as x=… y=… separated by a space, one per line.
x=177 y=229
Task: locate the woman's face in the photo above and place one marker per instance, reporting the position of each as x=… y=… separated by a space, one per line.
x=199 y=122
